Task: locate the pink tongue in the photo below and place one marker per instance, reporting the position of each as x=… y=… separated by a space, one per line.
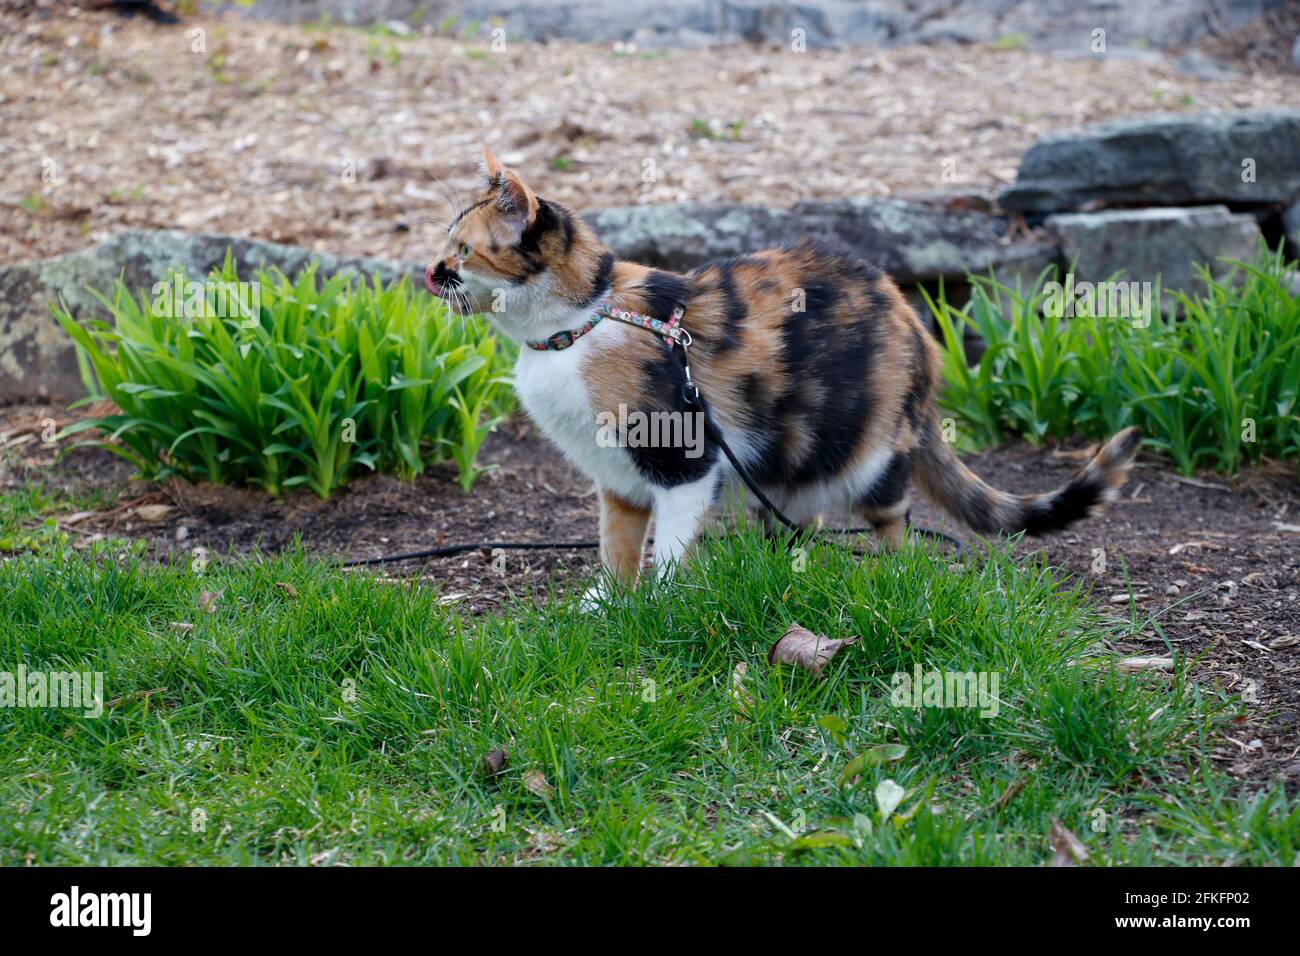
x=428 y=280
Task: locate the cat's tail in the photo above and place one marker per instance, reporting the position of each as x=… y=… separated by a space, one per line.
x=955 y=488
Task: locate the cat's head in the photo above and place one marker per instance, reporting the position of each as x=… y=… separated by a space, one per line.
x=525 y=262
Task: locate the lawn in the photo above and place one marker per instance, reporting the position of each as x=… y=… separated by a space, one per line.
x=275 y=710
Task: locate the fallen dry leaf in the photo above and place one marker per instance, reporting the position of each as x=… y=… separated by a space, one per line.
x=802 y=648
x=536 y=783
x=208 y=600
x=287 y=588
x=153 y=512
x=1131 y=665
x=494 y=762
x=182 y=626
x=1070 y=850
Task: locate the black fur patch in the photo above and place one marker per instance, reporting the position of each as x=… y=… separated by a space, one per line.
x=721 y=275
x=816 y=348
x=549 y=219
x=762 y=429
x=604 y=269
x=891 y=487
x=663 y=292
x=1066 y=507
x=669 y=467
x=566 y=223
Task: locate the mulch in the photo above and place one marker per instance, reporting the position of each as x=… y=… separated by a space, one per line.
x=354 y=144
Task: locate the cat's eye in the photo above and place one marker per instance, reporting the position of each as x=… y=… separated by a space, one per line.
x=465 y=250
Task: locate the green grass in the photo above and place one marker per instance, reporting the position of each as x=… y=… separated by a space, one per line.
x=319 y=380
x=321 y=717
x=1216 y=387
x=27 y=522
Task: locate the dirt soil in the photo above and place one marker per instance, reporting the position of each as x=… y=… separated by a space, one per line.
x=353 y=143
x=1217 y=565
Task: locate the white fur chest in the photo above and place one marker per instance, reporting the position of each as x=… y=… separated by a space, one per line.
x=552 y=391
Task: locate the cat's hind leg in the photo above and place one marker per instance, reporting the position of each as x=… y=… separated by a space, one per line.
x=884 y=506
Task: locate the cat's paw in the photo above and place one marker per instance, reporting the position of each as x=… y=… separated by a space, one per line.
x=595 y=598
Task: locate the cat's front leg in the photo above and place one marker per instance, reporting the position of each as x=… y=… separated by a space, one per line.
x=678 y=512
x=622 y=536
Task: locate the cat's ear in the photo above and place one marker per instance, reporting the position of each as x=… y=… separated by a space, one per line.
x=516 y=197
x=492 y=167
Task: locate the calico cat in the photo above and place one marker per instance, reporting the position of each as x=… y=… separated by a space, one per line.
x=816 y=370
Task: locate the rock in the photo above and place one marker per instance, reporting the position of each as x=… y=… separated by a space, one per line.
x=1056 y=25
x=1168 y=159
x=912 y=241
x=1149 y=244
x=1204 y=67
x=1291 y=227
x=1295 y=52
x=36 y=357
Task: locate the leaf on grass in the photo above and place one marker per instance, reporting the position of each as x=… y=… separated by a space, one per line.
x=153 y=512
x=1132 y=665
x=182 y=626
x=872 y=757
x=1069 y=849
x=834 y=724
x=888 y=796
x=287 y=588
x=535 y=782
x=494 y=762
x=208 y=600
x=802 y=648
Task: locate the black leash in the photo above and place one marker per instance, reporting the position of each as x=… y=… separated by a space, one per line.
x=694 y=400
x=451 y=550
